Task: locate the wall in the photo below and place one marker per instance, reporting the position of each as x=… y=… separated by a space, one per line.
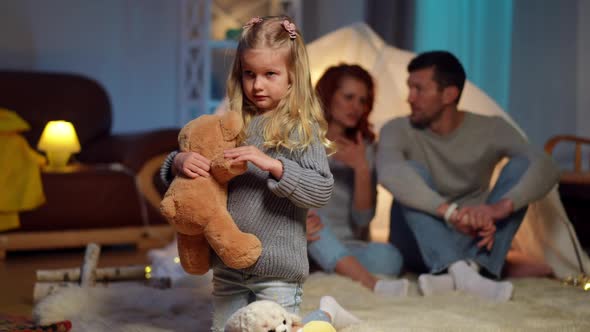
x=583 y=101
x=321 y=17
x=393 y=21
x=543 y=94
x=129 y=46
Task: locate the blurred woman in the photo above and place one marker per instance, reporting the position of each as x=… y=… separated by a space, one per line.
x=334 y=231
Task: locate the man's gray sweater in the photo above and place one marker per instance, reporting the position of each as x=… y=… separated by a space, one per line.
x=460 y=163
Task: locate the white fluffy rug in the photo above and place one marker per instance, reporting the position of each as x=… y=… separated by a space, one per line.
x=130 y=308
x=538 y=304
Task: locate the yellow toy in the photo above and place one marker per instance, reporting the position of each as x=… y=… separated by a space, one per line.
x=318 y=326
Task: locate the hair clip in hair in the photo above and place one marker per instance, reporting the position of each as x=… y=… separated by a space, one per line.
x=254 y=20
x=291 y=29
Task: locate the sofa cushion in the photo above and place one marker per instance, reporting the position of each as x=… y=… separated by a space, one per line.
x=88 y=197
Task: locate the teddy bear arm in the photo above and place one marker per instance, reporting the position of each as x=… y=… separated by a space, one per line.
x=223 y=170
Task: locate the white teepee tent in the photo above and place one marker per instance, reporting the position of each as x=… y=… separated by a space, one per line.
x=546 y=233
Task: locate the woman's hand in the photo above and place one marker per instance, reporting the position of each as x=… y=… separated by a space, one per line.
x=352 y=153
x=191 y=165
x=258 y=158
x=313 y=226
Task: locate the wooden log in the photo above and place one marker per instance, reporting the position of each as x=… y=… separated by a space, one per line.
x=133 y=272
x=88 y=272
x=43 y=289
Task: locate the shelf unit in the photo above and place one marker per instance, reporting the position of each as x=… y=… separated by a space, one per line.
x=196 y=47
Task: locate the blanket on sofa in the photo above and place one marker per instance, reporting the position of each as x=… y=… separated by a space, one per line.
x=20 y=176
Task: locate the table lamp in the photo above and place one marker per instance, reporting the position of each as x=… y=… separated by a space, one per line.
x=59 y=141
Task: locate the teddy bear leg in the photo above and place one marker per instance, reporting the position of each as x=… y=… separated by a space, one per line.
x=237 y=250
x=193 y=251
x=167 y=207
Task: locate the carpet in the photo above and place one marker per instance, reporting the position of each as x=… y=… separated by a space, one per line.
x=11 y=323
x=537 y=305
x=129 y=308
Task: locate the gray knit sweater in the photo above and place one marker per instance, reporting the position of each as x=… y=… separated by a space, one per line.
x=275 y=211
x=461 y=163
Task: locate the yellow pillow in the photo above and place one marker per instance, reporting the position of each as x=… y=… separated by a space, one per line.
x=10 y=122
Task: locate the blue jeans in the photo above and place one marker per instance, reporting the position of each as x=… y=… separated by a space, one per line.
x=233 y=289
x=429 y=245
x=377 y=258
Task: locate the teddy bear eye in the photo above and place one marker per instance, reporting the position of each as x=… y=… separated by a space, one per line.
x=271 y=330
x=285 y=321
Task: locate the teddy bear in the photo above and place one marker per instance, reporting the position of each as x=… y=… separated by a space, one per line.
x=265 y=316
x=197 y=208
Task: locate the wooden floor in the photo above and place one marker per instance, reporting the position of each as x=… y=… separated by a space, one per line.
x=17 y=271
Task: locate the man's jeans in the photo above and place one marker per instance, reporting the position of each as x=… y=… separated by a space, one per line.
x=429 y=245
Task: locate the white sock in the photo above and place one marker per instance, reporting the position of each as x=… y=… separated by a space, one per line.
x=467 y=280
x=431 y=284
x=340 y=317
x=473 y=265
x=397 y=287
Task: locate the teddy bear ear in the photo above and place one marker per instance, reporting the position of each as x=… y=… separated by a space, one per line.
x=231 y=125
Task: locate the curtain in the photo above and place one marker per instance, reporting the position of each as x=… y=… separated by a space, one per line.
x=478 y=32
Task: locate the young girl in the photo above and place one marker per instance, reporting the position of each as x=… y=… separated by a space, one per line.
x=284 y=142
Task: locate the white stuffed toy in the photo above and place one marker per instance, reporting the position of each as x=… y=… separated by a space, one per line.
x=269 y=316
x=262 y=316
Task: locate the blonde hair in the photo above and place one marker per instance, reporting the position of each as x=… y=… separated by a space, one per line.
x=299 y=111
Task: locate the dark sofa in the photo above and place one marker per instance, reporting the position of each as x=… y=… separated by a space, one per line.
x=101 y=197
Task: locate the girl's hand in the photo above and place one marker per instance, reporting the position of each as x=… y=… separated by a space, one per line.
x=191 y=165
x=352 y=153
x=258 y=158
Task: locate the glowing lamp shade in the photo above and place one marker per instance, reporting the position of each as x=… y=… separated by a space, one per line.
x=59 y=141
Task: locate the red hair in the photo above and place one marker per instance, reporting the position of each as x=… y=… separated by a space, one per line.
x=330 y=82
